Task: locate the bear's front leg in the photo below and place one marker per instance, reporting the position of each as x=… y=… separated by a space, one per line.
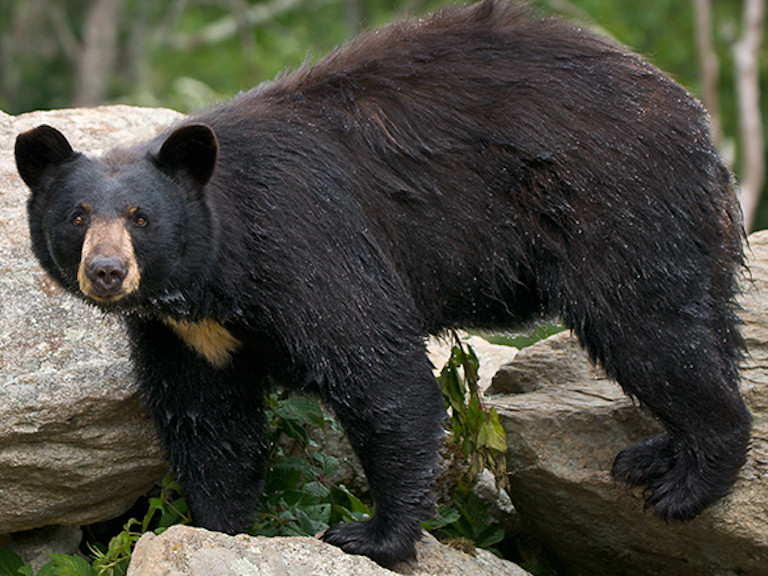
x=393 y=414
x=211 y=423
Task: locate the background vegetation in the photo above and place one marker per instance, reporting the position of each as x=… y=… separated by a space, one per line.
x=184 y=54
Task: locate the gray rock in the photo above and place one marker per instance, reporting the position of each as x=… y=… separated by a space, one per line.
x=184 y=551
x=564 y=436
x=75 y=446
x=34 y=546
x=543 y=365
x=492 y=357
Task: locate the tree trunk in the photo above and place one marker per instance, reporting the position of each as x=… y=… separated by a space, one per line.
x=709 y=66
x=752 y=143
x=97 y=53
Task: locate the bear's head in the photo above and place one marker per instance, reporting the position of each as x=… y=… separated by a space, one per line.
x=125 y=229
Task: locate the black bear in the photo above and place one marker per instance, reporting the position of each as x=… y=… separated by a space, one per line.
x=479 y=167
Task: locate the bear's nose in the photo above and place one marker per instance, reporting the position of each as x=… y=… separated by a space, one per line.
x=107 y=273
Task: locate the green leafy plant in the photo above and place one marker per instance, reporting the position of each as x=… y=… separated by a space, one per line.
x=12 y=565
x=300 y=499
x=165 y=510
x=466 y=523
x=476 y=441
x=60 y=565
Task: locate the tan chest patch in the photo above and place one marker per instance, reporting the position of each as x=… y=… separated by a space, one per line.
x=208 y=338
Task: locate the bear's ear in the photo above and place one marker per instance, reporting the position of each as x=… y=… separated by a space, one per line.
x=192 y=149
x=39 y=149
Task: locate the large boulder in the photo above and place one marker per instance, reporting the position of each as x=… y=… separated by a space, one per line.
x=565 y=431
x=184 y=551
x=75 y=445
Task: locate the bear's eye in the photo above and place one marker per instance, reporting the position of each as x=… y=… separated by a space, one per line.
x=79 y=220
x=140 y=221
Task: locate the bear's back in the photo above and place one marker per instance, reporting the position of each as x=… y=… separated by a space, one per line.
x=485 y=129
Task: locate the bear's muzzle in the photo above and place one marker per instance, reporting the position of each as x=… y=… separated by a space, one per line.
x=108 y=269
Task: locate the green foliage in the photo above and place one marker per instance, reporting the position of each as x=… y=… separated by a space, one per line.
x=299 y=497
x=301 y=500
x=60 y=565
x=67 y=565
x=476 y=441
x=38 y=69
x=476 y=437
x=523 y=340
x=10 y=563
x=164 y=510
x=467 y=520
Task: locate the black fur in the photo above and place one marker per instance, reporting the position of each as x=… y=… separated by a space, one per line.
x=478 y=167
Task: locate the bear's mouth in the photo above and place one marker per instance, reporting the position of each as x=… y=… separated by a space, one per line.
x=103 y=298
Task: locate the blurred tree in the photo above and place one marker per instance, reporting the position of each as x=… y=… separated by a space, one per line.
x=94 y=57
x=751 y=129
x=33 y=55
x=709 y=66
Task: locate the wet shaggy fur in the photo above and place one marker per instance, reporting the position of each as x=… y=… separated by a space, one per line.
x=478 y=167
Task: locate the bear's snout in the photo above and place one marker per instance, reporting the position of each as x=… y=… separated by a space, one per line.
x=108 y=269
x=107 y=274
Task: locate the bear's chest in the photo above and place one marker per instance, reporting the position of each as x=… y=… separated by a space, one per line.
x=208 y=338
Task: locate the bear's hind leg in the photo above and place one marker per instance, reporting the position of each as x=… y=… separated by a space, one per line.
x=393 y=416
x=682 y=476
x=680 y=366
x=692 y=388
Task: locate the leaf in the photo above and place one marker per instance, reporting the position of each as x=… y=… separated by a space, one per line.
x=452 y=387
x=66 y=565
x=176 y=512
x=491 y=435
x=300 y=410
x=471 y=359
x=313 y=519
x=286 y=473
x=498 y=435
x=446 y=516
x=346 y=506
x=328 y=464
x=357 y=505
x=315 y=492
x=10 y=562
x=489 y=536
x=475 y=414
x=296 y=431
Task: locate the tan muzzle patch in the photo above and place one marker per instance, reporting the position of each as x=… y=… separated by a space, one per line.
x=108 y=240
